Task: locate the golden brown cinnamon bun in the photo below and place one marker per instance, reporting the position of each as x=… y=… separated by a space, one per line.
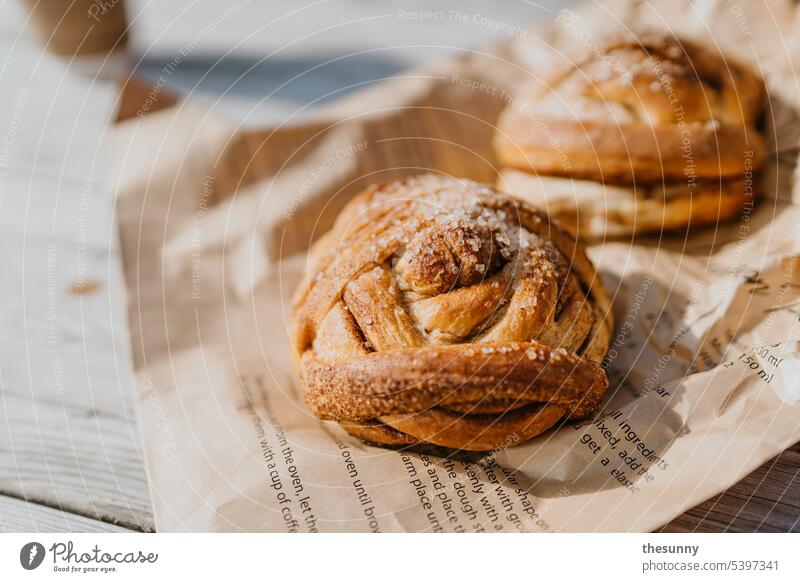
x=666 y=122
x=441 y=311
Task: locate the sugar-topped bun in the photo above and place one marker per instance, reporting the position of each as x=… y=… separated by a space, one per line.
x=441 y=311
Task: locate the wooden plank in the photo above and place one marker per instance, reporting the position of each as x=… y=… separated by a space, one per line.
x=68 y=437
x=76 y=458
x=767 y=500
x=17 y=516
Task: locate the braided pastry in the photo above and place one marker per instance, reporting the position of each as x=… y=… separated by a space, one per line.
x=669 y=123
x=441 y=311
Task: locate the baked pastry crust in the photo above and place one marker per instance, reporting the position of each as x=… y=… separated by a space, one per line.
x=441 y=311
x=597 y=211
x=637 y=109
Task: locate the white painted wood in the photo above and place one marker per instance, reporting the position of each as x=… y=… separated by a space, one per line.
x=68 y=437
x=18 y=516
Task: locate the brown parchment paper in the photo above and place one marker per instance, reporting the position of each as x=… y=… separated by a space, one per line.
x=703 y=365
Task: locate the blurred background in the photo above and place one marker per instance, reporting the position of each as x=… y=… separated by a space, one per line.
x=264 y=58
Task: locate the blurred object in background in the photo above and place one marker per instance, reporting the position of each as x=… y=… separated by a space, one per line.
x=267 y=62
x=263 y=63
x=79 y=27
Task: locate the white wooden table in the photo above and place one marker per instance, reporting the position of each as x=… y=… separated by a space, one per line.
x=69 y=445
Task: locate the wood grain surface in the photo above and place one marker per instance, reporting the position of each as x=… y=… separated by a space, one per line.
x=69 y=444
x=68 y=436
x=17 y=515
x=767 y=500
